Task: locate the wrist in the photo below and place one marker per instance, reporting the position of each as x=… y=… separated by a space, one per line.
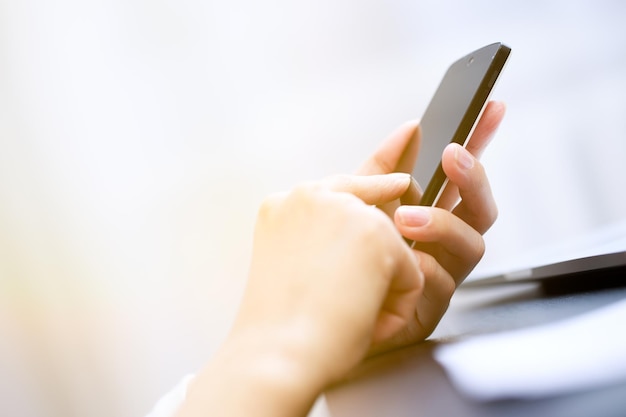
x=251 y=375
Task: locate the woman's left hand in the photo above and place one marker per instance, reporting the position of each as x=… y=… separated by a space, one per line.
x=448 y=238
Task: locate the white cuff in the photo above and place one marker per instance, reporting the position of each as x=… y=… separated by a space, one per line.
x=171 y=402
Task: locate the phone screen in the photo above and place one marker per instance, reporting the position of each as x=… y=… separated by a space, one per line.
x=453 y=112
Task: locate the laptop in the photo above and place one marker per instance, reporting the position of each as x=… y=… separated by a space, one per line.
x=603 y=249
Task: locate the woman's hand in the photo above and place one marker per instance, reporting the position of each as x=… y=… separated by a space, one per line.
x=448 y=237
x=330 y=276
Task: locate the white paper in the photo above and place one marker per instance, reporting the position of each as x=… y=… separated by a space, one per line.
x=583 y=352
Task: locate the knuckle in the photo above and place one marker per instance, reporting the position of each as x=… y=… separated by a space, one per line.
x=269 y=203
x=378 y=226
x=479 y=170
x=479 y=249
x=305 y=194
x=438 y=277
x=428 y=264
x=495 y=212
x=442 y=222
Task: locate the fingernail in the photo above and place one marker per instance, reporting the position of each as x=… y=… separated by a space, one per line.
x=463 y=158
x=413 y=216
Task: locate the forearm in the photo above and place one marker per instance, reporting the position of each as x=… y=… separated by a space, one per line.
x=243 y=380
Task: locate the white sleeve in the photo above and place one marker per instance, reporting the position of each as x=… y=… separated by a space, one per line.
x=171 y=402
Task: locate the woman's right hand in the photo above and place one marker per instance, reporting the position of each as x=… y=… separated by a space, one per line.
x=330 y=276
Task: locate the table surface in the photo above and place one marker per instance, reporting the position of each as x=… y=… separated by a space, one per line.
x=409 y=382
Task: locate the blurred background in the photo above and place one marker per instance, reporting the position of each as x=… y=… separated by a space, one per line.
x=137 y=139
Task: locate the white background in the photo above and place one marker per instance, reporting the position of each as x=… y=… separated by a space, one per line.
x=137 y=139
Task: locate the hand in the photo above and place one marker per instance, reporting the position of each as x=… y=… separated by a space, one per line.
x=448 y=238
x=329 y=276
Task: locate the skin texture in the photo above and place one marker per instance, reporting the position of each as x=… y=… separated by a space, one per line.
x=332 y=280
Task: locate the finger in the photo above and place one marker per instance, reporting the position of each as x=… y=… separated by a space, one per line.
x=482 y=135
x=397 y=153
x=439 y=286
x=486 y=127
x=412 y=196
x=372 y=189
x=403 y=294
x=477 y=207
x=427 y=310
x=457 y=244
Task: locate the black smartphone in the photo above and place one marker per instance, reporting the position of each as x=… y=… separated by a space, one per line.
x=453 y=113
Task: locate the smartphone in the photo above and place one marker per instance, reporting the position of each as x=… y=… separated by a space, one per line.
x=453 y=112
